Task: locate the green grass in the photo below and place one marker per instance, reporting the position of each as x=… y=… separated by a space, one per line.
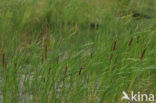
x=86 y=71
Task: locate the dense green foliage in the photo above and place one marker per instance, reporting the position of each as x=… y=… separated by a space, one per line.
x=64 y=51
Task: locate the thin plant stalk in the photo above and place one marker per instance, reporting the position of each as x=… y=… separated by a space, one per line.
x=111 y=57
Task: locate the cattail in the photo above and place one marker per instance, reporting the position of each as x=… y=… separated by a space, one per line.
x=45 y=52
x=142 y=55
x=130 y=42
x=1 y=41
x=3 y=60
x=65 y=69
x=91 y=55
x=57 y=60
x=111 y=57
x=80 y=70
x=69 y=55
x=114 y=46
x=42 y=58
x=138 y=37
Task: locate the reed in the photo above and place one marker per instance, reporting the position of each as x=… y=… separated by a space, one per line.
x=45 y=51
x=42 y=58
x=80 y=70
x=91 y=55
x=142 y=55
x=1 y=41
x=114 y=46
x=3 y=60
x=69 y=55
x=130 y=42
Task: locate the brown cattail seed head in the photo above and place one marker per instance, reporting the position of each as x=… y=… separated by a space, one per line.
x=80 y=70
x=142 y=55
x=130 y=42
x=46 y=52
x=114 y=46
x=91 y=55
x=42 y=58
x=69 y=55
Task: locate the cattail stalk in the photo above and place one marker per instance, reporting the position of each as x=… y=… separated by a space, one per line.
x=142 y=55
x=80 y=70
x=111 y=57
x=130 y=42
x=114 y=46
